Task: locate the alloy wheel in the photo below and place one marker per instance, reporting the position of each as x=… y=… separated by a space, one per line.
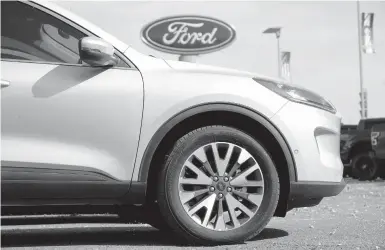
x=221 y=186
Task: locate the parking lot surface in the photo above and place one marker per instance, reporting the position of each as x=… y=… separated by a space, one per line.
x=355 y=219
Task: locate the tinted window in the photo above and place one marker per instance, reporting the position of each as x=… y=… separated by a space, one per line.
x=30 y=34
x=370 y=124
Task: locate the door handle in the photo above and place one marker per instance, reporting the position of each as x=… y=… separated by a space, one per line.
x=5 y=83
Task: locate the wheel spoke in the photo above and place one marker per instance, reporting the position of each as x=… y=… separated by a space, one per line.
x=202 y=178
x=202 y=157
x=246 y=183
x=217 y=159
x=209 y=168
x=220 y=223
x=222 y=163
x=201 y=154
x=241 y=181
x=191 y=181
x=243 y=156
x=234 y=203
x=209 y=206
x=208 y=203
x=231 y=206
x=234 y=169
x=254 y=198
x=186 y=196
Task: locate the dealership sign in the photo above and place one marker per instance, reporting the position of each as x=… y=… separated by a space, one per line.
x=188 y=35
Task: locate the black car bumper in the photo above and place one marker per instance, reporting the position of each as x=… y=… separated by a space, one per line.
x=345 y=157
x=308 y=194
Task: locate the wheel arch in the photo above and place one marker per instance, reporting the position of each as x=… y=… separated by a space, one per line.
x=360 y=147
x=203 y=115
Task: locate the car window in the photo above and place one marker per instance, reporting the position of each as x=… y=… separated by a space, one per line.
x=370 y=124
x=33 y=35
x=29 y=34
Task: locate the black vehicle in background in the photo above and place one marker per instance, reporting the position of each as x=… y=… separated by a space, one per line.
x=378 y=147
x=356 y=149
x=347 y=128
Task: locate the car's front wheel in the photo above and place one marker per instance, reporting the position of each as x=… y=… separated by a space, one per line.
x=219 y=185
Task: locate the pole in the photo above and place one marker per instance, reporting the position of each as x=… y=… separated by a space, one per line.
x=187 y=58
x=278 y=34
x=360 y=59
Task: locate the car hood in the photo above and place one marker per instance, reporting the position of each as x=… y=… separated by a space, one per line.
x=201 y=68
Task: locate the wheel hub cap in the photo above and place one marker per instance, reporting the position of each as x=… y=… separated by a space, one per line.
x=221 y=186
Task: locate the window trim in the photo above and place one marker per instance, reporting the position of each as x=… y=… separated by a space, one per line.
x=130 y=64
x=63 y=64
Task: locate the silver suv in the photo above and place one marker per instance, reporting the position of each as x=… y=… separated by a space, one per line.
x=89 y=124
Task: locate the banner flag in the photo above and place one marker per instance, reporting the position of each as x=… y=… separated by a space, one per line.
x=367 y=33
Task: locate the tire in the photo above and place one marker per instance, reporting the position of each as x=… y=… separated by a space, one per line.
x=148 y=214
x=155 y=218
x=381 y=168
x=347 y=172
x=364 y=167
x=169 y=190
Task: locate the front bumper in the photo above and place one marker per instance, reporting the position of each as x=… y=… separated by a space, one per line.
x=308 y=194
x=313 y=136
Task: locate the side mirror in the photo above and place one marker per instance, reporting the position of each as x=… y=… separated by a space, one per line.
x=97 y=52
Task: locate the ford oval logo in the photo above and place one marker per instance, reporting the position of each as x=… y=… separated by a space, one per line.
x=188 y=35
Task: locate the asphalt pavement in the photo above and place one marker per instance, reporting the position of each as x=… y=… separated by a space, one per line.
x=355 y=219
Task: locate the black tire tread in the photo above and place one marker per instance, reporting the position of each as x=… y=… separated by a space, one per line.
x=356 y=172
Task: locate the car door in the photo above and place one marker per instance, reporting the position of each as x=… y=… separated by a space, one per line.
x=68 y=130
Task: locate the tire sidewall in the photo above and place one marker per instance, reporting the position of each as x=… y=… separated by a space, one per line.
x=358 y=172
x=271 y=181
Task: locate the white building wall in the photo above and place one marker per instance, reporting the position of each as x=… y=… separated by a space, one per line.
x=322 y=37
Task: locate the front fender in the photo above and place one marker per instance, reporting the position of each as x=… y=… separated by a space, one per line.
x=143 y=168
